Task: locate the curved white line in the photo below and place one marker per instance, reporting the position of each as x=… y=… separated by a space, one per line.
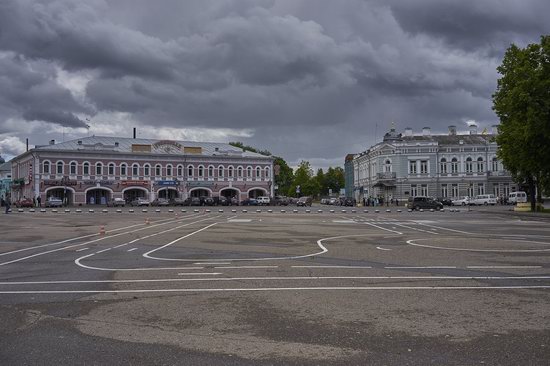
x=410 y=242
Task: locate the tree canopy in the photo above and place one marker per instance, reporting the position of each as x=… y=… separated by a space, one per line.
x=522 y=102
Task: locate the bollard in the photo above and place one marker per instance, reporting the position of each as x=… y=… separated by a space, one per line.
x=399 y=211
x=54 y=210
x=78 y=210
x=344 y=211
x=410 y=210
x=295 y=211
x=32 y=210
x=20 y=210
x=270 y=211
x=143 y=210
x=308 y=211
x=283 y=211
x=376 y=211
x=220 y=211
x=196 y=211
x=258 y=211
x=67 y=211
x=157 y=210
x=131 y=210
x=331 y=211
x=207 y=211
x=421 y=210
x=105 y=211
x=233 y=210
x=320 y=211
x=431 y=210
x=170 y=210
x=388 y=210
x=245 y=211
x=353 y=211
x=119 y=210
x=365 y=211
x=42 y=210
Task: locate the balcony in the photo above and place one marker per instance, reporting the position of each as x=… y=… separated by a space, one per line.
x=499 y=173
x=385 y=175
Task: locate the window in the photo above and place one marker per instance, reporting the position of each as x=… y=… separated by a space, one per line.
x=190 y=171
x=454 y=190
x=249 y=172
x=443 y=167
x=266 y=172
x=169 y=170
x=220 y=171
x=147 y=170
x=258 y=172
x=481 y=188
x=387 y=166
x=180 y=170
x=123 y=168
x=454 y=166
x=414 y=190
x=423 y=167
x=424 y=190
x=201 y=171
x=98 y=169
x=495 y=165
x=46 y=167
x=480 y=165
x=135 y=170
x=444 y=190
x=59 y=167
x=111 y=169
x=412 y=167
x=72 y=168
x=158 y=170
x=86 y=168
x=230 y=172
x=210 y=171
x=240 y=171
x=471 y=190
x=469 y=168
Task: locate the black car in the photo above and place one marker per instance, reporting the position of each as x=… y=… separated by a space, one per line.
x=221 y=201
x=348 y=202
x=194 y=201
x=208 y=201
x=421 y=202
x=249 y=202
x=445 y=201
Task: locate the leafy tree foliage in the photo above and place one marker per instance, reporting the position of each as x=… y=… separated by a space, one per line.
x=285 y=175
x=522 y=102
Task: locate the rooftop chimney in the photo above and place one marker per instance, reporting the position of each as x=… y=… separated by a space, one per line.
x=408 y=131
x=134 y=132
x=116 y=143
x=473 y=129
x=452 y=130
x=52 y=142
x=27 y=144
x=426 y=131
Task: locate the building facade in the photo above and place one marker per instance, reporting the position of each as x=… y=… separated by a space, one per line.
x=94 y=170
x=445 y=165
x=5 y=179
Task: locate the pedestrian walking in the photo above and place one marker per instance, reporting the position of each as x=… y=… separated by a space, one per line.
x=38 y=200
x=8 y=204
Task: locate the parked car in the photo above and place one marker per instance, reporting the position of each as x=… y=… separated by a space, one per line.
x=115 y=202
x=160 y=202
x=485 y=199
x=140 y=202
x=234 y=201
x=421 y=202
x=207 y=201
x=350 y=202
x=249 y=202
x=177 y=201
x=221 y=201
x=445 y=201
x=54 y=202
x=304 y=201
x=463 y=201
x=26 y=202
x=516 y=197
x=279 y=201
x=263 y=200
x=195 y=201
x=334 y=201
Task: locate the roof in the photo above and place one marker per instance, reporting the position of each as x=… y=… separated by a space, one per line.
x=5 y=167
x=475 y=139
x=124 y=145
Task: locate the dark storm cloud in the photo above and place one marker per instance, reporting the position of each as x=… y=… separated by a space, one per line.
x=314 y=79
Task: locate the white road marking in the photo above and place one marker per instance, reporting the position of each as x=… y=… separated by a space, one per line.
x=426 y=267
x=104 y=250
x=382 y=248
x=502 y=267
x=131 y=269
x=131 y=250
x=81 y=249
x=344 y=221
x=321 y=266
x=417 y=229
x=121 y=245
x=200 y=274
x=216 y=263
x=443 y=228
x=383 y=228
x=245 y=267
x=411 y=242
x=266 y=289
x=277 y=278
x=239 y=220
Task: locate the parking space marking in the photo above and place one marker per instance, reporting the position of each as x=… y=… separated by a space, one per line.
x=104 y=250
x=245 y=267
x=383 y=228
x=81 y=249
x=416 y=267
x=131 y=250
x=443 y=228
x=321 y=266
x=380 y=248
x=502 y=267
x=207 y=263
x=412 y=242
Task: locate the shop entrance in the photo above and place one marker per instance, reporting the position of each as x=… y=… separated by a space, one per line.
x=168 y=193
x=229 y=193
x=98 y=196
x=255 y=193
x=135 y=193
x=199 y=192
x=66 y=195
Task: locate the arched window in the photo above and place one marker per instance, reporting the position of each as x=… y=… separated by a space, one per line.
x=220 y=171
x=258 y=172
x=46 y=167
x=111 y=169
x=266 y=172
x=59 y=167
x=230 y=172
x=443 y=166
x=72 y=168
x=180 y=170
x=469 y=167
x=249 y=172
x=135 y=169
x=123 y=169
x=454 y=165
x=387 y=166
x=158 y=170
x=86 y=168
x=147 y=170
x=98 y=169
x=240 y=172
x=210 y=171
x=190 y=171
x=480 y=165
x=201 y=171
x=495 y=164
x=169 y=170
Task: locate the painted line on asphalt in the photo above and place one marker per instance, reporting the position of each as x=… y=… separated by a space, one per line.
x=131 y=250
x=443 y=228
x=121 y=245
x=425 y=267
x=245 y=267
x=411 y=242
x=81 y=249
x=199 y=274
x=380 y=248
x=104 y=250
x=206 y=263
x=321 y=266
x=267 y=289
x=383 y=228
x=417 y=229
x=502 y=267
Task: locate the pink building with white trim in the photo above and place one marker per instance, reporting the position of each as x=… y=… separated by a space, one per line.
x=94 y=170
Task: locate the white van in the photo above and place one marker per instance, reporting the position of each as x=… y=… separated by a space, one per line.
x=263 y=200
x=516 y=197
x=484 y=199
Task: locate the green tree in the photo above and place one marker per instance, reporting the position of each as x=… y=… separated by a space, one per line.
x=240 y=145
x=284 y=176
x=522 y=102
x=320 y=178
x=302 y=176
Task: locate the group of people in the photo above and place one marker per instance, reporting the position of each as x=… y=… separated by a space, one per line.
x=379 y=201
x=6 y=202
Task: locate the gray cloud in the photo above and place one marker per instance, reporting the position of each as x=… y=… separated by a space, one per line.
x=313 y=79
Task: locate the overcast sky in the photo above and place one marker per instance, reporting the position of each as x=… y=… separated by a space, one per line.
x=310 y=80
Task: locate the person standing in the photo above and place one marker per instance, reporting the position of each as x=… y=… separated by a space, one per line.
x=38 y=200
x=8 y=204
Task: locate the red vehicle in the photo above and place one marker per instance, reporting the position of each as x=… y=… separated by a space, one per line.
x=27 y=202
